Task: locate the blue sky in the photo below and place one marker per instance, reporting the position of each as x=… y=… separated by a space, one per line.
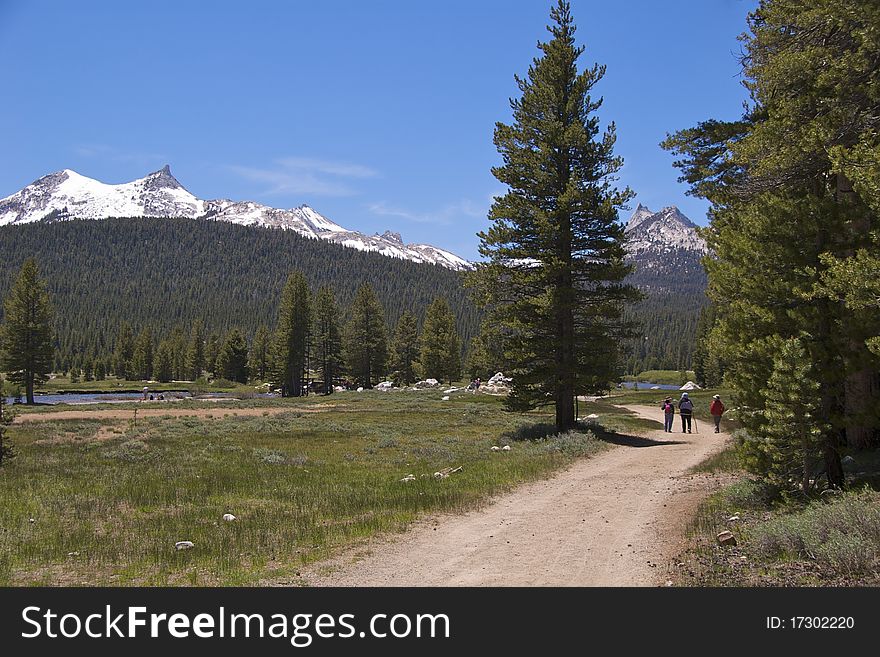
x=377 y=114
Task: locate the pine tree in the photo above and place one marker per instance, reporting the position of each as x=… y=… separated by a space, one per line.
x=163 y=370
x=6 y=451
x=260 y=354
x=292 y=332
x=124 y=352
x=327 y=342
x=555 y=270
x=212 y=348
x=100 y=371
x=232 y=359
x=440 y=346
x=792 y=449
x=26 y=347
x=88 y=370
x=405 y=349
x=794 y=193
x=142 y=358
x=366 y=340
x=195 y=351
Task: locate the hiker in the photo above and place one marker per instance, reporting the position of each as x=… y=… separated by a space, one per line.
x=668 y=414
x=686 y=410
x=717 y=408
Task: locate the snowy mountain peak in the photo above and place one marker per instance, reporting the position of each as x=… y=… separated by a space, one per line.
x=662 y=232
x=69 y=195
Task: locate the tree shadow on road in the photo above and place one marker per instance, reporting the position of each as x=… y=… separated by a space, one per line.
x=628 y=440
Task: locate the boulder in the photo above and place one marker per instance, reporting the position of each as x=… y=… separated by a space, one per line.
x=726 y=538
x=183 y=545
x=498 y=378
x=444 y=398
x=228 y=517
x=690 y=385
x=385 y=385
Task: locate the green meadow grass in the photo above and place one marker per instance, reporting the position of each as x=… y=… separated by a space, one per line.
x=102 y=502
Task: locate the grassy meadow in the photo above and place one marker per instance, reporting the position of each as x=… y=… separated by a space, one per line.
x=103 y=501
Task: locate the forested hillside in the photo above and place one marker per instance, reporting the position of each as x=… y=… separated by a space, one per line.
x=674 y=284
x=165 y=273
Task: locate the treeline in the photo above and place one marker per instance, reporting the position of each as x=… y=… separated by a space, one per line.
x=162 y=275
x=308 y=347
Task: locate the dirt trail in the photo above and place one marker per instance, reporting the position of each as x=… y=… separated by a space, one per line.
x=616 y=519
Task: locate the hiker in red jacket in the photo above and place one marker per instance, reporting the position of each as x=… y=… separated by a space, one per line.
x=716 y=408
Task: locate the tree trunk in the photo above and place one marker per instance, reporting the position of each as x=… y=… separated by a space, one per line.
x=29 y=386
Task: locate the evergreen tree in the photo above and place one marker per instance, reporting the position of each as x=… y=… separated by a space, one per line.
x=123 y=353
x=555 y=270
x=366 y=340
x=74 y=374
x=142 y=358
x=6 y=451
x=232 y=359
x=26 y=349
x=260 y=354
x=292 y=332
x=163 y=370
x=327 y=340
x=212 y=348
x=440 y=346
x=177 y=344
x=793 y=191
x=195 y=351
x=88 y=370
x=792 y=447
x=100 y=371
x=405 y=350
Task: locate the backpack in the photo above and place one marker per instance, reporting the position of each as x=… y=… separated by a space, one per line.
x=686 y=405
x=667 y=407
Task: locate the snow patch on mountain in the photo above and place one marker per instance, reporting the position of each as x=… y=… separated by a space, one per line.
x=69 y=195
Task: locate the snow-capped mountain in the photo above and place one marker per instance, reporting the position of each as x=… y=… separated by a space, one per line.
x=662 y=232
x=69 y=195
x=666 y=250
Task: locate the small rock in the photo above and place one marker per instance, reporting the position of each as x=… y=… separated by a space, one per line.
x=506 y=448
x=733 y=519
x=360 y=389
x=228 y=517
x=73 y=554
x=445 y=398
x=847 y=460
x=726 y=538
x=31 y=520
x=183 y=545
x=409 y=477
x=495 y=448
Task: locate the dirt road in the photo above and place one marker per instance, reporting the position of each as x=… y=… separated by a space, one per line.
x=616 y=519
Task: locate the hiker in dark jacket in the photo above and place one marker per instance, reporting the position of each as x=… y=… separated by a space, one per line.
x=668 y=414
x=686 y=410
x=716 y=408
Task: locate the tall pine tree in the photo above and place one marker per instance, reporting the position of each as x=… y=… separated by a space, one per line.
x=260 y=354
x=327 y=341
x=292 y=332
x=555 y=270
x=232 y=359
x=26 y=348
x=366 y=340
x=405 y=349
x=440 y=346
